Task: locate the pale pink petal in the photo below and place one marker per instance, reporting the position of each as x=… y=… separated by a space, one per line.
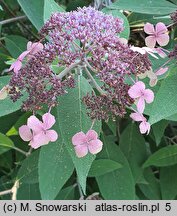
x=39 y=140
x=153 y=82
x=36 y=47
x=150 y=41
x=92 y=135
x=144 y=127
x=3 y=93
x=150 y=51
x=48 y=120
x=161 y=53
x=79 y=138
x=35 y=124
x=163 y=39
x=95 y=146
x=52 y=135
x=140 y=105
x=153 y=78
x=160 y=28
x=17 y=66
x=81 y=150
x=123 y=40
x=149 y=28
x=142 y=75
x=23 y=55
x=148 y=95
x=135 y=90
x=25 y=133
x=29 y=44
x=138 y=49
x=151 y=74
x=137 y=117
x=11 y=67
x=161 y=71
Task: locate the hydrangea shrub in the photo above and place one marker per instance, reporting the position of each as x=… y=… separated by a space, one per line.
x=93 y=100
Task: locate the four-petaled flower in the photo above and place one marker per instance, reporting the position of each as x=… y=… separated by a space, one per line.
x=32 y=48
x=16 y=66
x=84 y=143
x=144 y=125
x=138 y=91
x=153 y=76
x=158 y=34
x=38 y=132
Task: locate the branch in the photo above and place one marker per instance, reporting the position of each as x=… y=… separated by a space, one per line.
x=89 y=66
x=67 y=70
x=13 y=190
x=6 y=7
x=21 y=151
x=5 y=192
x=12 y=20
x=94 y=82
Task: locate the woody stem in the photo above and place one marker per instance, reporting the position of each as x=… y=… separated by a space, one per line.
x=94 y=82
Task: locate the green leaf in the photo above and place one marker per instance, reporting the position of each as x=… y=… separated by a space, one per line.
x=7 y=106
x=67 y=193
x=158 y=130
x=55 y=168
x=152 y=188
x=15 y=44
x=39 y=11
x=28 y=192
x=103 y=166
x=5 y=143
x=164 y=157
x=34 y=10
x=168 y=179
x=6 y=122
x=174 y=1
x=165 y=103
x=116 y=13
x=119 y=184
x=133 y=146
x=139 y=19
x=73 y=118
x=172 y=117
x=50 y=6
x=160 y=7
x=28 y=172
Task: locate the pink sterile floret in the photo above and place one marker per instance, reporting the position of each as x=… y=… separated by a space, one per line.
x=32 y=48
x=38 y=132
x=138 y=91
x=84 y=143
x=144 y=125
x=158 y=34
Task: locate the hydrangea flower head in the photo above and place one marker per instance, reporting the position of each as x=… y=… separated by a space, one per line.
x=138 y=91
x=37 y=132
x=85 y=38
x=84 y=143
x=158 y=34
